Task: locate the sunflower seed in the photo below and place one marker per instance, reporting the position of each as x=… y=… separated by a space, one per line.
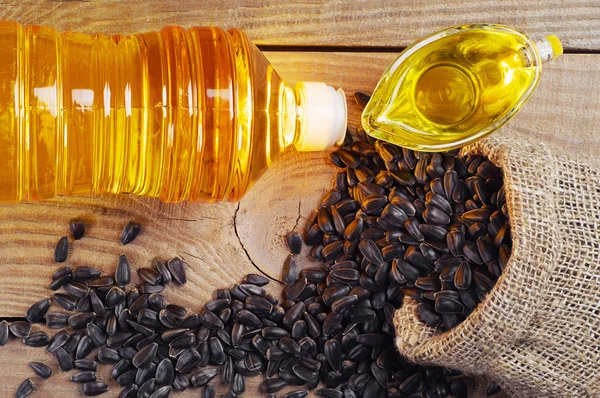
x=130 y=232
x=85 y=364
x=57 y=320
x=463 y=275
x=447 y=306
x=259 y=306
x=129 y=392
x=165 y=373
x=114 y=297
x=149 y=275
x=161 y=392
x=84 y=377
x=185 y=340
x=66 y=301
x=93 y=388
x=487 y=250
x=293 y=314
x=85 y=274
x=177 y=269
x=147 y=288
x=37 y=311
x=64 y=359
x=435 y=216
x=58 y=283
x=123 y=273
x=203 y=377
x=77 y=289
x=433 y=232
x=62 y=249
x=428 y=283
x=471 y=253
x=304 y=373
x=108 y=355
x=180 y=382
x=147 y=388
x=148 y=317
x=161 y=267
x=96 y=335
x=331 y=323
x=345 y=275
x=333 y=354
x=343 y=303
x=41 y=369
x=369 y=249
x=211 y=321
x=121 y=367
x=20 y=328
x=273 y=385
x=84 y=348
x=97 y=304
x=144 y=357
x=187 y=360
x=25 y=388
x=58 y=340
x=296 y=394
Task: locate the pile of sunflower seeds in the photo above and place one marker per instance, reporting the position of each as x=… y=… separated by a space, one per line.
x=433 y=227
x=156 y=348
x=396 y=223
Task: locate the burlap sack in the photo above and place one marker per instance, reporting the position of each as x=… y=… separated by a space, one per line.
x=537 y=333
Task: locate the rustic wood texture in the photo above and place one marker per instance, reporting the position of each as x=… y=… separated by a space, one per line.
x=220 y=243
x=387 y=23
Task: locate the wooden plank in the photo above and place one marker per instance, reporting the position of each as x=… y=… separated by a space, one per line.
x=199 y=234
x=390 y=23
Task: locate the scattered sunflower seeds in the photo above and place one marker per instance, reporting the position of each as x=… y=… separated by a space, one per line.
x=93 y=388
x=41 y=369
x=130 y=232
x=62 y=250
x=77 y=228
x=25 y=389
x=37 y=311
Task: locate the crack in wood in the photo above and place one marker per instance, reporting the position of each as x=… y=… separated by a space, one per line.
x=235 y=230
x=191 y=255
x=10 y=319
x=299 y=214
x=190 y=219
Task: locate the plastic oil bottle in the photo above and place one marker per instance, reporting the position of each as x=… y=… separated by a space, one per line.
x=179 y=114
x=456 y=86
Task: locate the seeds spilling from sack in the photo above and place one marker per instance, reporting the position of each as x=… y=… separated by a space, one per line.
x=433 y=227
x=396 y=223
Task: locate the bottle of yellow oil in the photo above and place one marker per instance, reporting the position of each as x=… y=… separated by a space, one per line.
x=456 y=86
x=182 y=114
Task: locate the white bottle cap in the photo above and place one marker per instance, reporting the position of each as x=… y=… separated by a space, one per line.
x=549 y=48
x=324 y=116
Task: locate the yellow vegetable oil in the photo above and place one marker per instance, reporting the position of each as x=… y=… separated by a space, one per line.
x=181 y=114
x=456 y=86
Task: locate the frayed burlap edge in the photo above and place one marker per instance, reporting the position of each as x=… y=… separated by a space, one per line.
x=506 y=313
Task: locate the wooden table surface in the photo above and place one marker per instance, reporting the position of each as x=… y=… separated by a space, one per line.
x=347 y=44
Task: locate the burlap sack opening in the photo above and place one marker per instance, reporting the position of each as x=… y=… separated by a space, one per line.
x=537 y=333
